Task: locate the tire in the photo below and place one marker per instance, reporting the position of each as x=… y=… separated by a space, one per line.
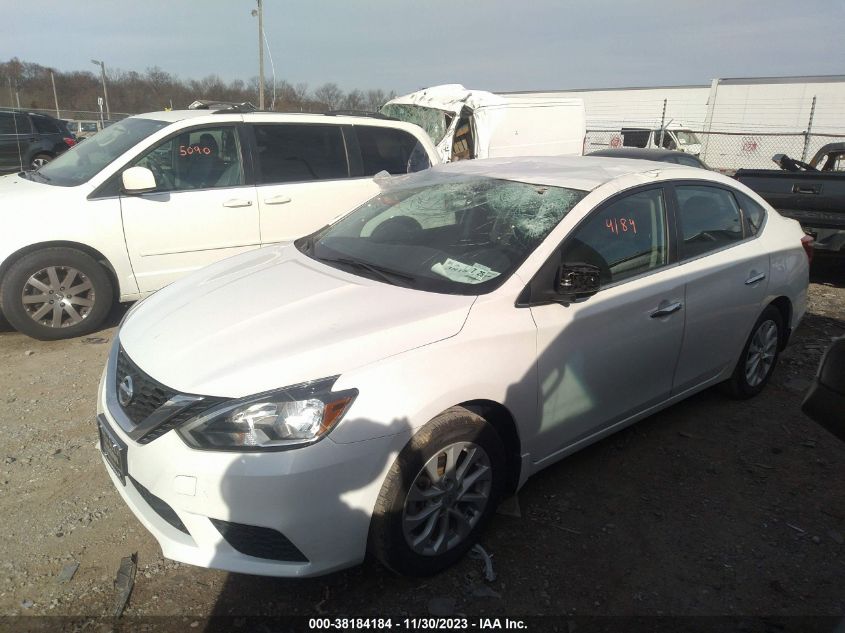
x=40 y=160
x=454 y=436
x=759 y=356
x=43 y=274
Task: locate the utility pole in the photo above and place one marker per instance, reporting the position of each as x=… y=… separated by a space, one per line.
x=260 y=55
x=11 y=94
x=55 y=95
x=102 y=66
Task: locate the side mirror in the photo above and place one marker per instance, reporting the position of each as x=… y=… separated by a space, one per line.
x=825 y=401
x=577 y=281
x=138 y=180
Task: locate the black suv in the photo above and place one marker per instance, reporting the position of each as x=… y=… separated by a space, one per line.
x=28 y=140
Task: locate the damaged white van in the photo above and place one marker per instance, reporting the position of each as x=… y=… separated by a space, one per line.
x=477 y=124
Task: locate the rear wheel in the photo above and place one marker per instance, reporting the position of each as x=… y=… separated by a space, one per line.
x=439 y=494
x=56 y=293
x=759 y=356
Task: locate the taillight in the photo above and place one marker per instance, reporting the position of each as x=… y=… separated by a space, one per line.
x=70 y=142
x=807 y=243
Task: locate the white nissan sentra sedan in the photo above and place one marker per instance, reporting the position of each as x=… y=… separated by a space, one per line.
x=380 y=384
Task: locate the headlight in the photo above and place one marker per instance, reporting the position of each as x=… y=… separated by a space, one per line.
x=276 y=420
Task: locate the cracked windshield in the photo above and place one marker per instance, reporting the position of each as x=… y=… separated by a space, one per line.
x=456 y=236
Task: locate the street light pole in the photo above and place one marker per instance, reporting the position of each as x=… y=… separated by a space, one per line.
x=102 y=66
x=55 y=96
x=260 y=55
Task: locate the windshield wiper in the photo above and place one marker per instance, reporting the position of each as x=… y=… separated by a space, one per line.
x=385 y=274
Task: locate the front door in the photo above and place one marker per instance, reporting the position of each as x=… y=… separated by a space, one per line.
x=200 y=212
x=609 y=357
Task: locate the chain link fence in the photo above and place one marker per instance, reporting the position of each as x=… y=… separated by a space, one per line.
x=723 y=151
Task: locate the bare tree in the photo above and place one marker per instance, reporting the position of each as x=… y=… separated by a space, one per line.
x=329 y=96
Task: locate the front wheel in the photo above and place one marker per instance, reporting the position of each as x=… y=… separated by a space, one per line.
x=439 y=494
x=39 y=160
x=56 y=293
x=759 y=356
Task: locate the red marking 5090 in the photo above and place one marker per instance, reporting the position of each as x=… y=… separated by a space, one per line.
x=621 y=225
x=193 y=149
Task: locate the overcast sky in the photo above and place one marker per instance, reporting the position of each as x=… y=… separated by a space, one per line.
x=403 y=45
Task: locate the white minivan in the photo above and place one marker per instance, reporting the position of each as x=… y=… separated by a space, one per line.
x=156 y=196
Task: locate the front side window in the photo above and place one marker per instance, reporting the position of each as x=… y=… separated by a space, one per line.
x=709 y=218
x=390 y=150
x=624 y=239
x=442 y=233
x=297 y=153
x=204 y=158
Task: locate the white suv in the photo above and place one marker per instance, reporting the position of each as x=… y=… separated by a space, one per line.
x=158 y=195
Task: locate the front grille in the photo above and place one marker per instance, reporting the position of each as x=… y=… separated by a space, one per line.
x=260 y=542
x=149 y=394
x=193 y=411
x=160 y=507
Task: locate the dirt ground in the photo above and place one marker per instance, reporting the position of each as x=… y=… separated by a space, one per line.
x=711 y=507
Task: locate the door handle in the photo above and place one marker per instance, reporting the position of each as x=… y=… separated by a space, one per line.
x=808 y=189
x=754 y=278
x=666 y=309
x=280 y=199
x=236 y=202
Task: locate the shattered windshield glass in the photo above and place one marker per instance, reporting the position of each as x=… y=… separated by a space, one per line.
x=443 y=233
x=435 y=122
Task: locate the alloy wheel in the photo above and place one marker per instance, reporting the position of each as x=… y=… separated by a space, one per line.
x=58 y=296
x=761 y=353
x=447 y=498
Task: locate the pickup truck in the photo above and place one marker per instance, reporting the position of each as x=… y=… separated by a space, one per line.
x=812 y=193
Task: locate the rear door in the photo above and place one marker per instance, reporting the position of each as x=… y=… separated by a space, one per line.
x=727 y=278
x=309 y=174
x=202 y=211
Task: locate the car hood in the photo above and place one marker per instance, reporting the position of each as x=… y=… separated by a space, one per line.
x=274 y=317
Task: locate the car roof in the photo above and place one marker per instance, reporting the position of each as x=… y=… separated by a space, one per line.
x=174 y=116
x=575 y=172
x=639 y=153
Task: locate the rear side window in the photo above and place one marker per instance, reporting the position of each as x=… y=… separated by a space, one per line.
x=390 y=150
x=296 y=153
x=753 y=214
x=709 y=217
x=13 y=123
x=43 y=125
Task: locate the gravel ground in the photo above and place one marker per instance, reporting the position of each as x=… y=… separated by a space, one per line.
x=710 y=507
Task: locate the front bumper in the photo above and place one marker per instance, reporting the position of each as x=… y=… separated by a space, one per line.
x=318 y=498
